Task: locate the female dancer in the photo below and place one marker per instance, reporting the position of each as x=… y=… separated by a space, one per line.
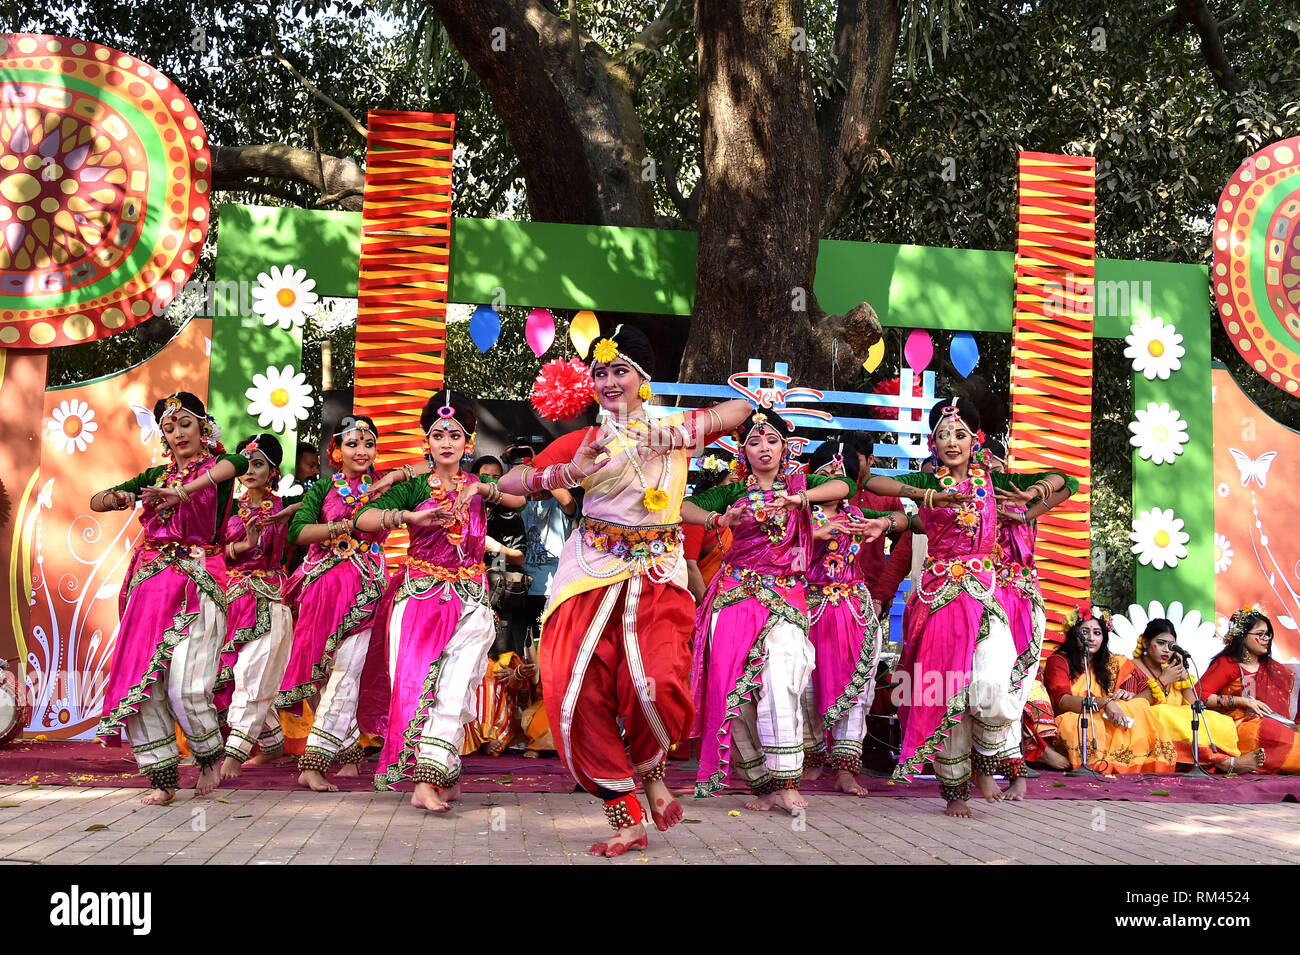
x=440 y=628
x=615 y=634
x=843 y=627
x=1020 y=598
x=1158 y=676
x=955 y=634
x=341 y=580
x=752 y=654
x=173 y=601
x=259 y=627
x=1246 y=683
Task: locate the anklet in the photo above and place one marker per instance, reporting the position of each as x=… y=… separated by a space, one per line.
x=624 y=812
x=846 y=763
x=352 y=754
x=314 y=760
x=169 y=777
x=657 y=773
x=433 y=775
x=985 y=765
x=959 y=793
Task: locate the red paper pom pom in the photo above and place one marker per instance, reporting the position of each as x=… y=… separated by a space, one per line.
x=892 y=386
x=563 y=389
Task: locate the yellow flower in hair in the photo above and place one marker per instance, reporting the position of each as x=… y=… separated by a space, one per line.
x=655 y=499
x=644 y=392
x=606 y=351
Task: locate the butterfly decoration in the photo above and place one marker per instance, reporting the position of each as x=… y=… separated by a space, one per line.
x=1255 y=470
x=148 y=426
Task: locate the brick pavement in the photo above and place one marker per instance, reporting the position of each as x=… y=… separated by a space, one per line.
x=72 y=825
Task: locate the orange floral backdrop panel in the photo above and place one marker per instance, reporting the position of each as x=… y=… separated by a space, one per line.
x=94 y=435
x=1256 y=534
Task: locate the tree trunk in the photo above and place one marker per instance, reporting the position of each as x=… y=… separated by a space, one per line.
x=337 y=180
x=576 y=133
x=760 y=204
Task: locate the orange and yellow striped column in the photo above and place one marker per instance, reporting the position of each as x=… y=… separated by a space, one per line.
x=1051 y=358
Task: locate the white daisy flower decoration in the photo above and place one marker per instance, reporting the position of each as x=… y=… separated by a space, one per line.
x=284 y=297
x=279 y=399
x=71 y=426
x=1222 y=553
x=1159 y=433
x=289 y=486
x=1158 y=538
x=1154 y=347
x=1196 y=634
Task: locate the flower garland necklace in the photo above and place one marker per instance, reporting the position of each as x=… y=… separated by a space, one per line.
x=263 y=509
x=174 y=477
x=445 y=497
x=773 y=524
x=836 y=559
x=652 y=498
x=355 y=499
x=968 y=514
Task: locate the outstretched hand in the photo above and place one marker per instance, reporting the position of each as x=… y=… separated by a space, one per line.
x=1014 y=496
x=161 y=496
x=592 y=456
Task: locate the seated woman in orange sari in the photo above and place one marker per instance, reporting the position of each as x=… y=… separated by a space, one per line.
x=1247 y=684
x=1123 y=737
x=1159 y=677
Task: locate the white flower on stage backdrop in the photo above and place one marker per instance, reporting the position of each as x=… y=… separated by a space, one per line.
x=1158 y=538
x=71 y=426
x=1195 y=635
x=1154 y=348
x=279 y=399
x=1222 y=553
x=288 y=486
x=284 y=297
x=1159 y=433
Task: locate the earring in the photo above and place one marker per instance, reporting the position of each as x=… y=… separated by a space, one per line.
x=644 y=392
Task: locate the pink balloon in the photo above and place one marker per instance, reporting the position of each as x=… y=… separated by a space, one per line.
x=918 y=350
x=539 y=331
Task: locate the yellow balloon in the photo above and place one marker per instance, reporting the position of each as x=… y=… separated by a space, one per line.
x=875 y=354
x=583 y=331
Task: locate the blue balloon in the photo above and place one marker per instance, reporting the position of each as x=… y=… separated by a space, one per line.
x=484 y=327
x=965 y=353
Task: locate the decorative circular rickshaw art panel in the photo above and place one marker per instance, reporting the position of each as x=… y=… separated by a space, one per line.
x=105 y=179
x=1256 y=270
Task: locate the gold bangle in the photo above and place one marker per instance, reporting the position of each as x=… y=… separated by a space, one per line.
x=184 y=494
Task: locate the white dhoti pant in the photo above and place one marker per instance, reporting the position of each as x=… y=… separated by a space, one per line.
x=183 y=696
x=767 y=737
x=334 y=727
x=258 y=670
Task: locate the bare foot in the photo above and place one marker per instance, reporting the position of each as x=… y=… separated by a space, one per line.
x=1053 y=760
x=351 y=770
x=158 y=797
x=812 y=773
x=787 y=799
x=530 y=754
x=988 y=787
x=451 y=793
x=633 y=837
x=792 y=799
x=231 y=768
x=959 y=809
x=426 y=797
x=664 y=809
x=493 y=746
x=208 y=781
x=260 y=759
x=1245 y=763
x=1016 y=791
x=316 y=782
x=846 y=782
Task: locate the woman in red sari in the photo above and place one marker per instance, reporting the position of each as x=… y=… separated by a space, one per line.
x=1246 y=683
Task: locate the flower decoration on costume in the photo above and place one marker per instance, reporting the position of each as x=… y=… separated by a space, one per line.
x=1158 y=538
x=562 y=389
x=605 y=351
x=1196 y=634
x=1222 y=553
x=284 y=297
x=1159 y=433
x=655 y=499
x=279 y=399
x=1154 y=348
x=1237 y=622
x=71 y=426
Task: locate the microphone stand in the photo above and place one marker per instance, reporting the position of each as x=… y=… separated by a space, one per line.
x=1198 y=707
x=1089 y=702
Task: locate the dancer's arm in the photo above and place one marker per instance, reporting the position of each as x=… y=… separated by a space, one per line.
x=567 y=457
x=304 y=529
x=698 y=508
x=121 y=496
x=916 y=485
x=392 y=508
x=1042 y=490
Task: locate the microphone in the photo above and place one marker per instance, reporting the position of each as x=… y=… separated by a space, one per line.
x=1187 y=657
